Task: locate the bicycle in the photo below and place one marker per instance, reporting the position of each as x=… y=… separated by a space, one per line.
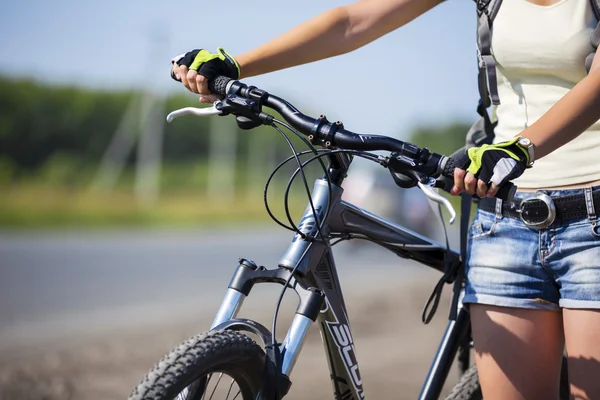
x=263 y=372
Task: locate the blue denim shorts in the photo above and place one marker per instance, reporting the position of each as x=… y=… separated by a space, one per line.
x=509 y=264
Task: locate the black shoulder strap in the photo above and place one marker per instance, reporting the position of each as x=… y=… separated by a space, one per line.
x=487 y=10
x=595 y=36
x=488 y=84
x=596 y=33
x=596 y=8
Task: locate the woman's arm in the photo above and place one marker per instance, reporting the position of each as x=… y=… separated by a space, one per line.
x=332 y=33
x=570 y=116
x=329 y=34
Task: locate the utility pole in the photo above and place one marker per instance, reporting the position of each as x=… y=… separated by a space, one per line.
x=222 y=153
x=141 y=125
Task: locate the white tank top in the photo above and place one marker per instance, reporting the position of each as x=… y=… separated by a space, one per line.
x=541 y=51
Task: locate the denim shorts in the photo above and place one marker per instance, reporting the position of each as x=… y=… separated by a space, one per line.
x=509 y=264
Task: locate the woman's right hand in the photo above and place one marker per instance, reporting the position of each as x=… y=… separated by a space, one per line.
x=195 y=68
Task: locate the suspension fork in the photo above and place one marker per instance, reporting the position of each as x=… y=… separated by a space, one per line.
x=311 y=302
x=229 y=307
x=236 y=293
x=309 y=306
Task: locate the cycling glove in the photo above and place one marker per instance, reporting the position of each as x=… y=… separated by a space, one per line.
x=209 y=64
x=499 y=162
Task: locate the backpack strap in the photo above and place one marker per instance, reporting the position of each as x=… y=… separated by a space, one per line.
x=595 y=37
x=596 y=8
x=488 y=82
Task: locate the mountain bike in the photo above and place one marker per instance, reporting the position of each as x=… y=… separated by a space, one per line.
x=262 y=368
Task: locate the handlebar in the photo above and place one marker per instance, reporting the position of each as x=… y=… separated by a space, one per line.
x=407 y=159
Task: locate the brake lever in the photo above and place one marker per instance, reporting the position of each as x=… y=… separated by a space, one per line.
x=200 y=112
x=431 y=194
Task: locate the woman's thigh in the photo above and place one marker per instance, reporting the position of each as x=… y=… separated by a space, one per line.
x=518 y=351
x=582 y=336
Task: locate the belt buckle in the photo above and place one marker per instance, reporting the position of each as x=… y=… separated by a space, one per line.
x=534 y=201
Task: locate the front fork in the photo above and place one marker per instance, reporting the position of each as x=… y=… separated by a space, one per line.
x=229 y=307
x=311 y=300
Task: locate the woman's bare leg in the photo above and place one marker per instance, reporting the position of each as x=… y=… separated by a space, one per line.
x=518 y=352
x=582 y=336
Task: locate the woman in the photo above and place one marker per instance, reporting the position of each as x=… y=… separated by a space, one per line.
x=531 y=291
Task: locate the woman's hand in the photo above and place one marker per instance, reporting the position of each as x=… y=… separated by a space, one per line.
x=467 y=182
x=195 y=68
x=490 y=166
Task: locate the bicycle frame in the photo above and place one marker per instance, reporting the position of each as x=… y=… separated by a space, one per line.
x=321 y=300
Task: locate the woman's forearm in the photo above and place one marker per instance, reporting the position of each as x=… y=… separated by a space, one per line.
x=568 y=118
x=321 y=37
x=332 y=33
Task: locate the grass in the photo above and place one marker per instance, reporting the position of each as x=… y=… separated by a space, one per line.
x=36 y=205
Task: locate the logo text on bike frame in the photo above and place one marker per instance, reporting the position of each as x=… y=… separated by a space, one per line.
x=345 y=344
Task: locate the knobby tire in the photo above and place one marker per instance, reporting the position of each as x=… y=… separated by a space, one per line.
x=226 y=352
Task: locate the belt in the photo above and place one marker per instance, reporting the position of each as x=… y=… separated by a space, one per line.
x=540 y=210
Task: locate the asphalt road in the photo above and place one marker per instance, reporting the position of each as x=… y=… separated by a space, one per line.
x=53 y=283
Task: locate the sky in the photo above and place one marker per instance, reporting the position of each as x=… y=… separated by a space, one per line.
x=423 y=73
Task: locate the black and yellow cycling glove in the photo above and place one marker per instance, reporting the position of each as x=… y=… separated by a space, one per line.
x=209 y=64
x=500 y=162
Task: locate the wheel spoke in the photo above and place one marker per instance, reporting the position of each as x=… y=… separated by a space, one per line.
x=189 y=391
x=206 y=386
x=230 y=386
x=217 y=384
x=184 y=394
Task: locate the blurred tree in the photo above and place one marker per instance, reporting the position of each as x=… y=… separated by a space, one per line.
x=442 y=139
x=40 y=123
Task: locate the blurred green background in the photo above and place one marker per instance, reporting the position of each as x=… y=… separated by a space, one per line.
x=72 y=156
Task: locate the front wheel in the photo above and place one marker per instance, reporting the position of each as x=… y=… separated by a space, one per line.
x=215 y=365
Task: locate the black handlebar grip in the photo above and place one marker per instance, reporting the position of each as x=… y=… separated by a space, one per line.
x=218 y=85
x=460 y=159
